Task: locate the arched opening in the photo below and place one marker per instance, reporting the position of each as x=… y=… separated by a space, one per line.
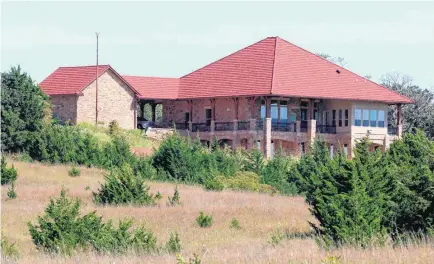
x=244 y=143
x=224 y=143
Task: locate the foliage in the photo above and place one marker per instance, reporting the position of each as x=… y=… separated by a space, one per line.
x=213 y=184
x=174 y=243
x=74 y=172
x=11 y=192
x=142 y=167
x=245 y=181
x=24 y=107
x=175 y=199
x=194 y=260
x=410 y=164
x=235 y=224
x=254 y=162
x=114 y=128
x=420 y=114
x=347 y=197
x=122 y=187
x=275 y=173
x=9 y=250
x=204 y=220
x=63 y=230
x=8 y=175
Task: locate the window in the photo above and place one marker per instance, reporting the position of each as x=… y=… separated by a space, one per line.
x=262 y=111
x=315 y=114
x=346 y=117
x=304 y=104
x=292 y=117
x=273 y=109
x=340 y=117
x=380 y=118
x=283 y=112
x=373 y=118
x=333 y=118
x=365 y=117
x=208 y=115
x=358 y=117
x=303 y=114
x=326 y=118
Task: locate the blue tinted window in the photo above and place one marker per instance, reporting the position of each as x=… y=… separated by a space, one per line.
x=358 y=117
x=373 y=118
x=380 y=118
x=365 y=117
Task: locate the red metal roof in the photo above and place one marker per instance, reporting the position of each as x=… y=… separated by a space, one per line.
x=71 y=80
x=154 y=87
x=271 y=66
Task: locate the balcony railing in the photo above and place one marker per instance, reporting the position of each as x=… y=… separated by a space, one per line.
x=288 y=127
x=326 y=129
x=391 y=130
x=224 y=126
x=259 y=124
x=243 y=125
x=181 y=126
x=201 y=127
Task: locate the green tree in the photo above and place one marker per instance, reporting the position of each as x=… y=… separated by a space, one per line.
x=24 y=107
x=420 y=114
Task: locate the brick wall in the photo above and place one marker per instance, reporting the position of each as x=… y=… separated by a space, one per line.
x=65 y=107
x=116 y=101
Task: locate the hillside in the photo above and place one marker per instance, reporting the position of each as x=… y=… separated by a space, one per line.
x=261 y=217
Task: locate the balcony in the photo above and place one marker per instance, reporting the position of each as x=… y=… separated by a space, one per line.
x=200 y=127
x=224 y=126
x=243 y=125
x=286 y=127
x=303 y=126
x=326 y=129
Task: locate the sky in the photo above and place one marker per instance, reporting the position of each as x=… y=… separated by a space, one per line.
x=171 y=39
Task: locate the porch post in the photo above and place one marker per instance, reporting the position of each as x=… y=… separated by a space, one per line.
x=236 y=103
x=252 y=113
x=399 y=120
x=142 y=109
x=153 y=106
x=190 y=121
x=267 y=128
x=212 y=128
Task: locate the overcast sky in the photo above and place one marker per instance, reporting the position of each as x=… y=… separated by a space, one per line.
x=171 y=39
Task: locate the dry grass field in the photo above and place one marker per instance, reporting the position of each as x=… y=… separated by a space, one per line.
x=260 y=217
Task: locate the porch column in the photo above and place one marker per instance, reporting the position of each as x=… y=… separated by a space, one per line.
x=190 y=121
x=311 y=132
x=236 y=103
x=212 y=128
x=267 y=128
x=153 y=106
x=311 y=109
x=251 y=101
x=278 y=111
x=142 y=109
x=399 y=120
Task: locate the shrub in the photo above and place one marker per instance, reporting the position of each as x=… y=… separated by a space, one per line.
x=175 y=200
x=235 y=224
x=254 y=162
x=213 y=184
x=8 y=175
x=174 y=243
x=143 y=168
x=245 y=181
x=9 y=250
x=23 y=157
x=114 y=128
x=11 y=192
x=122 y=187
x=74 y=172
x=275 y=173
x=204 y=220
x=63 y=230
x=194 y=260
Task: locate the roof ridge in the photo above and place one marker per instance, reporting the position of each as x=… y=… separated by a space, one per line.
x=85 y=66
x=366 y=79
x=274 y=64
x=124 y=75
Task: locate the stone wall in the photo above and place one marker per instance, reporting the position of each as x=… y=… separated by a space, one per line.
x=64 y=107
x=116 y=101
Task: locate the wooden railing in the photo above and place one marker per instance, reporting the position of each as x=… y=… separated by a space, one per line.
x=288 y=127
x=201 y=127
x=224 y=126
x=243 y=125
x=326 y=129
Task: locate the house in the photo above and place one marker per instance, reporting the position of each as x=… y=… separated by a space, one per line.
x=270 y=94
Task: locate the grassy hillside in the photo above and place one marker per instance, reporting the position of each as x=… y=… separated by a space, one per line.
x=261 y=217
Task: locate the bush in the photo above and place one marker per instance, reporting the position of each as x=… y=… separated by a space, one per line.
x=235 y=224
x=175 y=200
x=11 y=192
x=213 y=184
x=174 y=243
x=8 y=175
x=9 y=250
x=122 y=187
x=74 y=172
x=275 y=173
x=245 y=181
x=142 y=168
x=114 y=128
x=63 y=230
x=204 y=220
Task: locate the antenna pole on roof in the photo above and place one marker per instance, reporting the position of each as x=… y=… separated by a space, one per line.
x=96 y=82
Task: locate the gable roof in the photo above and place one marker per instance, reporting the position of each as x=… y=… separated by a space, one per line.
x=154 y=87
x=72 y=80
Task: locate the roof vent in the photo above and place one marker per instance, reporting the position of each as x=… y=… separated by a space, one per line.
x=338 y=71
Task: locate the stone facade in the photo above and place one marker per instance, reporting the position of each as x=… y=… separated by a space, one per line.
x=65 y=107
x=116 y=101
